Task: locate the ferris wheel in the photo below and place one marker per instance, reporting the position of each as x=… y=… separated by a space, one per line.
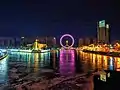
x=67 y=46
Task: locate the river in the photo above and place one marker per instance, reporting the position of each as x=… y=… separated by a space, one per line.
x=66 y=63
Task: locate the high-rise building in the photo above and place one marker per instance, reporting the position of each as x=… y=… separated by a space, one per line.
x=87 y=41
x=103 y=32
x=50 y=41
x=81 y=42
x=7 y=42
x=107 y=33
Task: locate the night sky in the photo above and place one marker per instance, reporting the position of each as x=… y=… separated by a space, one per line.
x=57 y=17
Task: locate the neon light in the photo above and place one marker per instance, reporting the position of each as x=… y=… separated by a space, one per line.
x=3 y=70
x=67 y=62
x=102 y=23
x=111 y=63
x=36 y=45
x=68 y=36
x=45 y=50
x=107 y=26
x=19 y=50
x=36 y=60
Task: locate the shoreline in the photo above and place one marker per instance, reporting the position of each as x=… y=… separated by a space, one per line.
x=4 y=56
x=113 y=54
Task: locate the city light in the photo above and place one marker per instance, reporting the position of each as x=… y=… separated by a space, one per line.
x=3 y=70
x=111 y=63
x=22 y=37
x=67 y=35
x=59 y=45
x=67 y=62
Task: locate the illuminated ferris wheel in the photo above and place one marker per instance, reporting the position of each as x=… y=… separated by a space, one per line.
x=67 y=46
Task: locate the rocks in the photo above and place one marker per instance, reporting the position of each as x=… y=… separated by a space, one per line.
x=59 y=83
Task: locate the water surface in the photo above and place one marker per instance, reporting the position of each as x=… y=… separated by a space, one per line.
x=66 y=63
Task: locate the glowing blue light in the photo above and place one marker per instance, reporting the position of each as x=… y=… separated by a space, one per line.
x=102 y=23
x=111 y=63
x=3 y=70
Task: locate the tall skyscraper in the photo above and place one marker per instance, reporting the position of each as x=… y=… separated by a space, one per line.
x=103 y=32
x=107 y=33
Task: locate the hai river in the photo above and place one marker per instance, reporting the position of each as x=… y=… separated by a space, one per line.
x=63 y=62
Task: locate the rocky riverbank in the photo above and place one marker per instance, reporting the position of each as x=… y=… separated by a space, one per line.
x=75 y=82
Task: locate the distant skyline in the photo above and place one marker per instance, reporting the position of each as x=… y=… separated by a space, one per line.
x=57 y=17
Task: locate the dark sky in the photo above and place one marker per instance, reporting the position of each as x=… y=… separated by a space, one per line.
x=56 y=17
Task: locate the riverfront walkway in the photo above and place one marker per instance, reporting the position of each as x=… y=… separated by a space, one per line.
x=114 y=54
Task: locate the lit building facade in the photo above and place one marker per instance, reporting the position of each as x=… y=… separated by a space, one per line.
x=24 y=42
x=38 y=46
x=49 y=41
x=103 y=32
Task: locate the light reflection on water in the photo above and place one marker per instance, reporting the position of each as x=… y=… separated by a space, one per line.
x=30 y=62
x=3 y=70
x=31 y=59
x=36 y=62
x=100 y=62
x=67 y=62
